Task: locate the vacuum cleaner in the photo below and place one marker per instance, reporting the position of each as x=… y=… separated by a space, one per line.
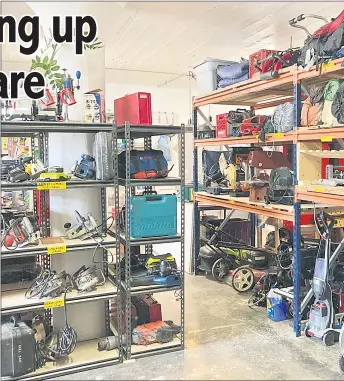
x=323 y=322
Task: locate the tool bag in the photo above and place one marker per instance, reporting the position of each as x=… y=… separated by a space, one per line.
x=146 y=164
x=337 y=107
x=17 y=349
x=252 y=126
x=283 y=118
x=237 y=116
x=330 y=92
x=312 y=108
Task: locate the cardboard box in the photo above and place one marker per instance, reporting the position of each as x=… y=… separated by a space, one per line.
x=94 y=106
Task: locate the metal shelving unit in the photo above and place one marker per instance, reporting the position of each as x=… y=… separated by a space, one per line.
x=259 y=94
x=129 y=133
x=86 y=355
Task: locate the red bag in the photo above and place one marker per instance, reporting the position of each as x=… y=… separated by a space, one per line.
x=328 y=29
x=252 y=126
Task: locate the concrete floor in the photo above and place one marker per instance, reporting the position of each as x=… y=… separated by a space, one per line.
x=226 y=340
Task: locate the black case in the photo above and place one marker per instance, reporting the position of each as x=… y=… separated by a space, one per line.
x=17 y=349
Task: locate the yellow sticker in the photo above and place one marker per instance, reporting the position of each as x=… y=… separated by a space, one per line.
x=57 y=249
x=328 y=65
x=51 y=185
x=278 y=135
x=319 y=189
x=231 y=201
x=54 y=303
x=325 y=139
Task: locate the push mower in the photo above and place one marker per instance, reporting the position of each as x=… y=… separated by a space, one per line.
x=223 y=253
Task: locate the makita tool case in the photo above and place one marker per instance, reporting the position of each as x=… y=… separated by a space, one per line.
x=153 y=215
x=17 y=349
x=144 y=164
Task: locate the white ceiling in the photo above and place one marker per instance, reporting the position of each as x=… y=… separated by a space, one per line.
x=172 y=37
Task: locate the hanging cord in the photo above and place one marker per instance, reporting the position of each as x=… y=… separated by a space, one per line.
x=59 y=343
x=100 y=243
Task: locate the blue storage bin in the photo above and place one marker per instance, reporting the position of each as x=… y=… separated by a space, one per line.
x=153 y=215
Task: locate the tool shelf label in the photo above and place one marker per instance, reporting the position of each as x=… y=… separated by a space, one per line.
x=326 y=139
x=51 y=185
x=56 y=249
x=55 y=303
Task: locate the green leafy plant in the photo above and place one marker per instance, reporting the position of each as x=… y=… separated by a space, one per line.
x=49 y=66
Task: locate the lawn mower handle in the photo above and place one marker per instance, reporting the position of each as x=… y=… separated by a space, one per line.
x=293 y=22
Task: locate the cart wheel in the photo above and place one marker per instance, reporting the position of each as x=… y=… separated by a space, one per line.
x=341 y=363
x=329 y=338
x=307 y=331
x=61 y=178
x=220 y=270
x=47 y=179
x=242 y=279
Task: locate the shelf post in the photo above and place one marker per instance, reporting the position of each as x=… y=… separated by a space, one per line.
x=196 y=215
x=296 y=227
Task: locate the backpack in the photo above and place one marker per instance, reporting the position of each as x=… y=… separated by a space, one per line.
x=283 y=117
x=338 y=105
x=331 y=89
x=311 y=113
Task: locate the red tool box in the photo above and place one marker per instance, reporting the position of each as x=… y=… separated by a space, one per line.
x=148 y=309
x=265 y=66
x=222 y=126
x=134 y=108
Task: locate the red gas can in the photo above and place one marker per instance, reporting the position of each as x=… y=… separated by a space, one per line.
x=264 y=66
x=134 y=108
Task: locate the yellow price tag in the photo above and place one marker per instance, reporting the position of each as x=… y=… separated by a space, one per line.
x=319 y=189
x=54 y=303
x=328 y=65
x=326 y=139
x=278 y=135
x=51 y=185
x=231 y=201
x=56 y=249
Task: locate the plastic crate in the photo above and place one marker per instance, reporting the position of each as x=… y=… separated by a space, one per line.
x=222 y=125
x=265 y=66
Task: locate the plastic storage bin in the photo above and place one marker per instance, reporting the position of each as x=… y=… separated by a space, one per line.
x=153 y=215
x=134 y=108
x=276 y=308
x=206 y=74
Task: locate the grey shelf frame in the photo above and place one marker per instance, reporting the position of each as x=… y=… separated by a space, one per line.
x=129 y=133
x=39 y=132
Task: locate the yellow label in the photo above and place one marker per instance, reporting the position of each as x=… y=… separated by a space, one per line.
x=278 y=135
x=231 y=201
x=325 y=139
x=328 y=65
x=51 y=185
x=57 y=249
x=54 y=303
x=319 y=189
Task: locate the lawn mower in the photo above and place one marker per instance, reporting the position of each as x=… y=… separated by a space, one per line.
x=223 y=252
